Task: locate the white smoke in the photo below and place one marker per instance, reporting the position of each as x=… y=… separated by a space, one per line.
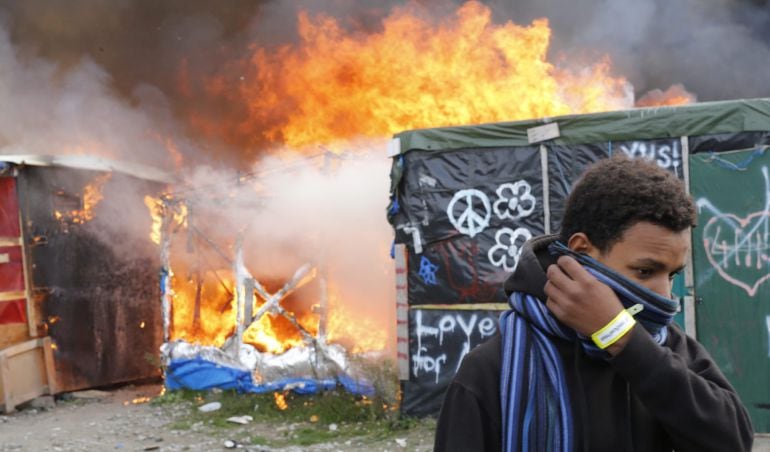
x=327 y=211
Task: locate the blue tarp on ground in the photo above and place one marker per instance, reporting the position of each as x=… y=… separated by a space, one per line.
x=200 y=374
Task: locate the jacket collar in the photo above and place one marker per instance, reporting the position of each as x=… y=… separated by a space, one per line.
x=529 y=275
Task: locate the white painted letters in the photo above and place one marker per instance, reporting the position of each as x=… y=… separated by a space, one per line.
x=433 y=352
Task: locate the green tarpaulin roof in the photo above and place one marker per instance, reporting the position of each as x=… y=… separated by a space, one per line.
x=636 y=124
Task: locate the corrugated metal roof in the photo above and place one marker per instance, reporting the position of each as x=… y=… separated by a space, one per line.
x=88 y=162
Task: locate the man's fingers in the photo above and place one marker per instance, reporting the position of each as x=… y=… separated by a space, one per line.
x=573 y=269
x=554 y=307
x=557 y=276
x=553 y=291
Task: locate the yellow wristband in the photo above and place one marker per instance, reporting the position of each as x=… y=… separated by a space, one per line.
x=614 y=330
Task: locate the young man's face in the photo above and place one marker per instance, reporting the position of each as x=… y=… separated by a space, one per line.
x=648 y=254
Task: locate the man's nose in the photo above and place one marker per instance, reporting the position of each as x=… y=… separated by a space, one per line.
x=662 y=286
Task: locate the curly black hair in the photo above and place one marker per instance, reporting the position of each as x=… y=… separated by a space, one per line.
x=616 y=193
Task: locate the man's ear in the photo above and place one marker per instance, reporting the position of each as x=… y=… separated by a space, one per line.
x=580 y=243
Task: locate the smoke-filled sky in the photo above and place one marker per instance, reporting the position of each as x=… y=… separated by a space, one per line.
x=152 y=57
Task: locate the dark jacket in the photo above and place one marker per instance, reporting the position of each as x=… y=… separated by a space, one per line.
x=647 y=398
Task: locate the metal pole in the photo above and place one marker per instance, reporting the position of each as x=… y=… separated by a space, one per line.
x=165 y=272
x=239 y=274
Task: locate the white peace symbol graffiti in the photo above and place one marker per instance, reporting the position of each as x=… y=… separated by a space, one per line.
x=519 y=204
x=506 y=253
x=470 y=222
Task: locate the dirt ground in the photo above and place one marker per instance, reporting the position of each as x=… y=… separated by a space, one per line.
x=113 y=422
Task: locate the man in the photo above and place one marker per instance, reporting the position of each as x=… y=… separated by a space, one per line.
x=588 y=358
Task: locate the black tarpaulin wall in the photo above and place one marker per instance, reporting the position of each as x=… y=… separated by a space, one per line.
x=95 y=282
x=464 y=200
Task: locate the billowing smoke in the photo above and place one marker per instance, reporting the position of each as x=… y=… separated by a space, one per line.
x=295 y=210
x=50 y=111
x=715 y=48
x=177 y=59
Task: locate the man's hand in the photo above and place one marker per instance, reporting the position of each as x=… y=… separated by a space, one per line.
x=580 y=301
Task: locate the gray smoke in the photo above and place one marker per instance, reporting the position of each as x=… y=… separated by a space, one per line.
x=718 y=49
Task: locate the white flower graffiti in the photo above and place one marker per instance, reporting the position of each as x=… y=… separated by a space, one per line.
x=515 y=201
x=508 y=242
x=470 y=209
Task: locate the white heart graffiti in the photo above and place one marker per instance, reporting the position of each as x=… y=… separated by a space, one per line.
x=738 y=249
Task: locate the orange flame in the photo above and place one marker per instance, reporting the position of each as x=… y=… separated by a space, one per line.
x=92 y=196
x=674 y=95
x=280 y=401
x=157 y=207
x=337 y=85
x=204 y=311
x=354 y=330
x=211 y=320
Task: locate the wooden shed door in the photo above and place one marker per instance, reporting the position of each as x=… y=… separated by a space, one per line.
x=731 y=261
x=14 y=317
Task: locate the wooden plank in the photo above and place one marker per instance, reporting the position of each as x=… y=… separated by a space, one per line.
x=546 y=188
x=50 y=370
x=26 y=376
x=10 y=241
x=25 y=372
x=690 y=325
x=5 y=389
x=21 y=348
x=402 y=312
x=15 y=295
x=35 y=310
x=466 y=307
x=32 y=319
x=13 y=333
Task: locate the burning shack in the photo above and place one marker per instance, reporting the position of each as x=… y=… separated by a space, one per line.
x=465 y=199
x=246 y=310
x=78 y=299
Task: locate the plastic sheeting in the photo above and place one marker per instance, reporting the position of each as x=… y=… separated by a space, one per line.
x=464 y=200
x=200 y=374
x=440 y=340
x=463 y=214
x=726 y=117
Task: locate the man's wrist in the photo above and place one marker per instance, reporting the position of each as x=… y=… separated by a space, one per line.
x=615 y=329
x=620 y=344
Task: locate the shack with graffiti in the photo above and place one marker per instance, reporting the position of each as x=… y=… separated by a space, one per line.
x=465 y=199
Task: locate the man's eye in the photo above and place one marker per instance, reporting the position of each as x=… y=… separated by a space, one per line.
x=644 y=272
x=671 y=276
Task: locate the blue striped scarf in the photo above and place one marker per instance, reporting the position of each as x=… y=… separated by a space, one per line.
x=534 y=395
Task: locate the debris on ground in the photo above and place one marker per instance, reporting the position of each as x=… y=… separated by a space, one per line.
x=210 y=407
x=90 y=394
x=243 y=420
